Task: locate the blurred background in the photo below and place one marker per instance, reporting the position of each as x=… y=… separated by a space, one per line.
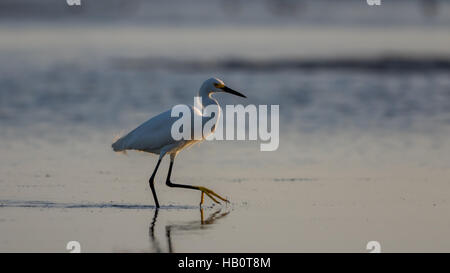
x=364 y=95
x=328 y=64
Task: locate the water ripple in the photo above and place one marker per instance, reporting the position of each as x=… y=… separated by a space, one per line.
x=49 y=204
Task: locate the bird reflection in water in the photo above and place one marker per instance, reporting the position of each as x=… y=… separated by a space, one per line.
x=184 y=226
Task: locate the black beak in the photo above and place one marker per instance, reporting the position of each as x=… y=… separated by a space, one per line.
x=231 y=91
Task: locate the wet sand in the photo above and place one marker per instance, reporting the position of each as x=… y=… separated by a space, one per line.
x=289 y=206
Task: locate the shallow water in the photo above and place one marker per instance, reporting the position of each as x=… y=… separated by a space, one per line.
x=364 y=152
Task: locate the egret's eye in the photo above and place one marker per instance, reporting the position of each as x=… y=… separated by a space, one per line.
x=218 y=85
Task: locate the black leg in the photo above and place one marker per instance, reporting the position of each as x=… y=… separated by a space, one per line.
x=204 y=190
x=170 y=184
x=152 y=183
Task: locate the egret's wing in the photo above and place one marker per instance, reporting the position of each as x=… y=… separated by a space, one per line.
x=150 y=136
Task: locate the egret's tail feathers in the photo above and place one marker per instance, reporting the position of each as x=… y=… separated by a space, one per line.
x=118 y=144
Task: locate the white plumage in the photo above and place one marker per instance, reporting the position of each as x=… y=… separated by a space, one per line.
x=152 y=136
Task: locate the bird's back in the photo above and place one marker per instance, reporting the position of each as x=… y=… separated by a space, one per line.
x=151 y=136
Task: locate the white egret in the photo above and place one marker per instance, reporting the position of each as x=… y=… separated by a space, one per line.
x=154 y=136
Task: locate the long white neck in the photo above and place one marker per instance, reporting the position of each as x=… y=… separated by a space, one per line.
x=205 y=94
x=205 y=100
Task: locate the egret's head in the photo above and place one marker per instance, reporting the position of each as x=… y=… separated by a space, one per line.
x=215 y=85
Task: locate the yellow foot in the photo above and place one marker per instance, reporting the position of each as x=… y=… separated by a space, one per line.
x=211 y=195
x=202 y=200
